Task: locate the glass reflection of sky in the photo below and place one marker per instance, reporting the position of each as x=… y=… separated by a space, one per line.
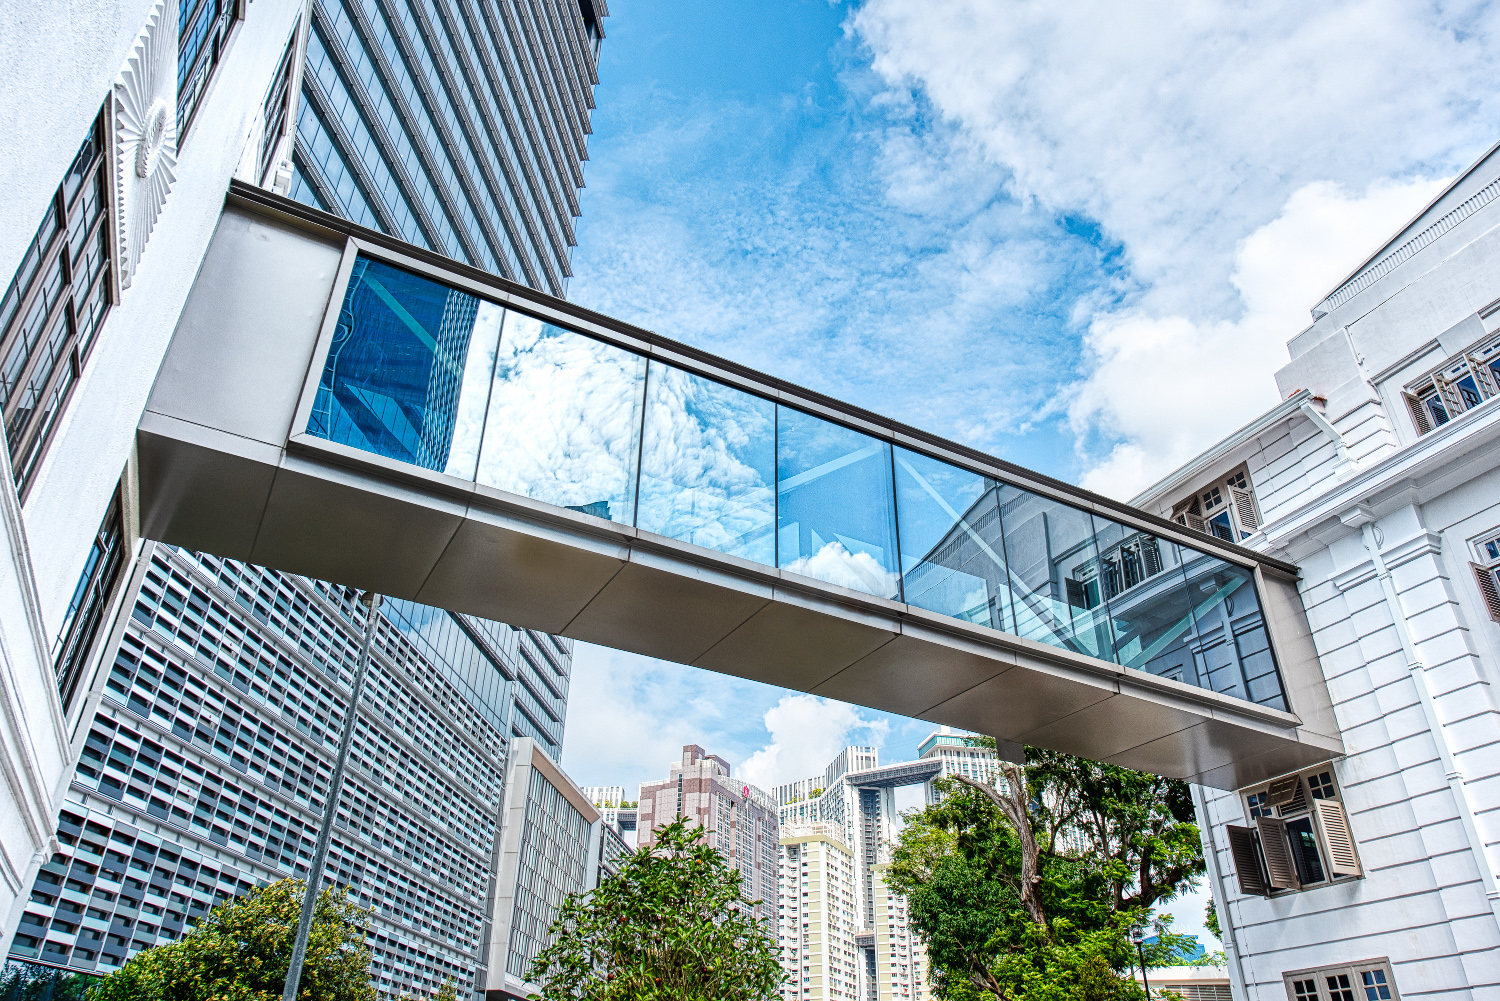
x=434 y=376
x=708 y=462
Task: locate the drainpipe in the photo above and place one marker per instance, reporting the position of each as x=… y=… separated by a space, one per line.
x=1345 y=464
x=1366 y=523
x=1221 y=899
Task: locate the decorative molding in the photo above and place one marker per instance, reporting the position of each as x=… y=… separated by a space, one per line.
x=1424 y=543
x=145 y=134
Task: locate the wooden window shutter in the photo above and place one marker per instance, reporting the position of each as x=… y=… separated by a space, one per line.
x=1247 y=861
x=1280 y=866
x=1244 y=506
x=1483 y=377
x=1489 y=589
x=1448 y=393
x=1284 y=791
x=1419 y=416
x=1196 y=523
x=1338 y=842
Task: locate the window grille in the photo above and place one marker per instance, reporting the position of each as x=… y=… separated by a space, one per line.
x=90 y=601
x=54 y=307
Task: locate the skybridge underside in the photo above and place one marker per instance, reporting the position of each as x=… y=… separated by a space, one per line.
x=224 y=467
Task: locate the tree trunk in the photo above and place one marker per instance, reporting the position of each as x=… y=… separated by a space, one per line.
x=1012 y=804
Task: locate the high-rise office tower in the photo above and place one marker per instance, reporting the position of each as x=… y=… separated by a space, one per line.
x=740 y=817
x=212 y=718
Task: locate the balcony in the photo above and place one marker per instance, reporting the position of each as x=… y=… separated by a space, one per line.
x=339 y=404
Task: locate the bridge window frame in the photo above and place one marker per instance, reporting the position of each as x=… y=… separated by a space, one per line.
x=1248 y=667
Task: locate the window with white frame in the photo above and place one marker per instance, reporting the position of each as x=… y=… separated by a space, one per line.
x=1369 y=980
x=1486 y=569
x=1297 y=838
x=1463 y=382
x=1224 y=508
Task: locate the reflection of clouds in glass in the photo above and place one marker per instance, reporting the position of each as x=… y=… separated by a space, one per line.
x=856 y=571
x=707 y=459
x=563 y=418
x=474 y=393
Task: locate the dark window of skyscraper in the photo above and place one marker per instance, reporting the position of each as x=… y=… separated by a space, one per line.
x=274 y=112
x=85 y=613
x=203 y=29
x=54 y=306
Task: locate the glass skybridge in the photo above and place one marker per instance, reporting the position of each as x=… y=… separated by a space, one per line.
x=389 y=419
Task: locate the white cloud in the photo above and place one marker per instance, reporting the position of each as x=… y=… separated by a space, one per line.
x=807 y=733
x=1205 y=139
x=1169 y=385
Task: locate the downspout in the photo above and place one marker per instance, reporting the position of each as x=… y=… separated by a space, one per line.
x=1429 y=711
x=1237 y=985
x=1345 y=464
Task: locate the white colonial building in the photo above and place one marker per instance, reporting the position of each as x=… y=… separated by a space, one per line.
x=1379 y=476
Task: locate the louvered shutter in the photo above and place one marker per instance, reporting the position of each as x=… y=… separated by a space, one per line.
x=1483 y=377
x=1338 y=842
x=1244 y=506
x=1419 y=416
x=1196 y=523
x=1448 y=392
x=1489 y=589
x=1280 y=866
x=1283 y=791
x=1246 y=861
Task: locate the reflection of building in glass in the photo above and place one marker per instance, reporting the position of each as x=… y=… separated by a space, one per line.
x=740 y=820
x=573 y=421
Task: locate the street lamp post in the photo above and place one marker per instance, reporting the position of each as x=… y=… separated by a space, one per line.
x=1138 y=936
x=371 y=601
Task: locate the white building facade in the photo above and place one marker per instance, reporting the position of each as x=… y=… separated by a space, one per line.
x=1379 y=476
x=817 y=920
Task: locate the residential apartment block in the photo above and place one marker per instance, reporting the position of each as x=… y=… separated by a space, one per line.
x=818 y=918
x=1373 y=874
x=741 y=820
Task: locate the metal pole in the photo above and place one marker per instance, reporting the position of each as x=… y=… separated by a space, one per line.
x=1140 y=948
x=371 y=601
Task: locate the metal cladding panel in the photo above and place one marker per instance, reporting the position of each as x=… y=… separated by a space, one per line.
x=798 y=642
x=202 y=489
x=1114 y=725
x=520 y=572
x=223 y=470
x=338 y=525
x=1021 y=700
x=916 y=671
x=676 y=614
x=243 y=344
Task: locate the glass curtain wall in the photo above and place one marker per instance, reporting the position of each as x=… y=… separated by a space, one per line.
x=442 y=379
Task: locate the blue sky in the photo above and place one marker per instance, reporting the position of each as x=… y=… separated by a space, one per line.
x=1077 y=236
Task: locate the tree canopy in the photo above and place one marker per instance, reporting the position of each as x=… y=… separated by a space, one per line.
x=672 y=924
x=241 y=949
x=1026 y=890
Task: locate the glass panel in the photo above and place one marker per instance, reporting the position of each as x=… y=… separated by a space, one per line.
x=708 y=465
x=564 y=420
x=408 y=372
x=1233 y=651
x=952 y=554
x=1150 y=609
x=1054 y=571
x=836 y=519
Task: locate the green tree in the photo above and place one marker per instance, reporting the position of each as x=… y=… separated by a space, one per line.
x=240 y=951
x=1027 y=890
x=21 y=981
x=668 y=926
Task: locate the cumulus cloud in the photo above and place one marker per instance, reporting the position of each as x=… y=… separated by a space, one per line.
x=806 y=734
x=1166 y=385
x=1200 y=135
